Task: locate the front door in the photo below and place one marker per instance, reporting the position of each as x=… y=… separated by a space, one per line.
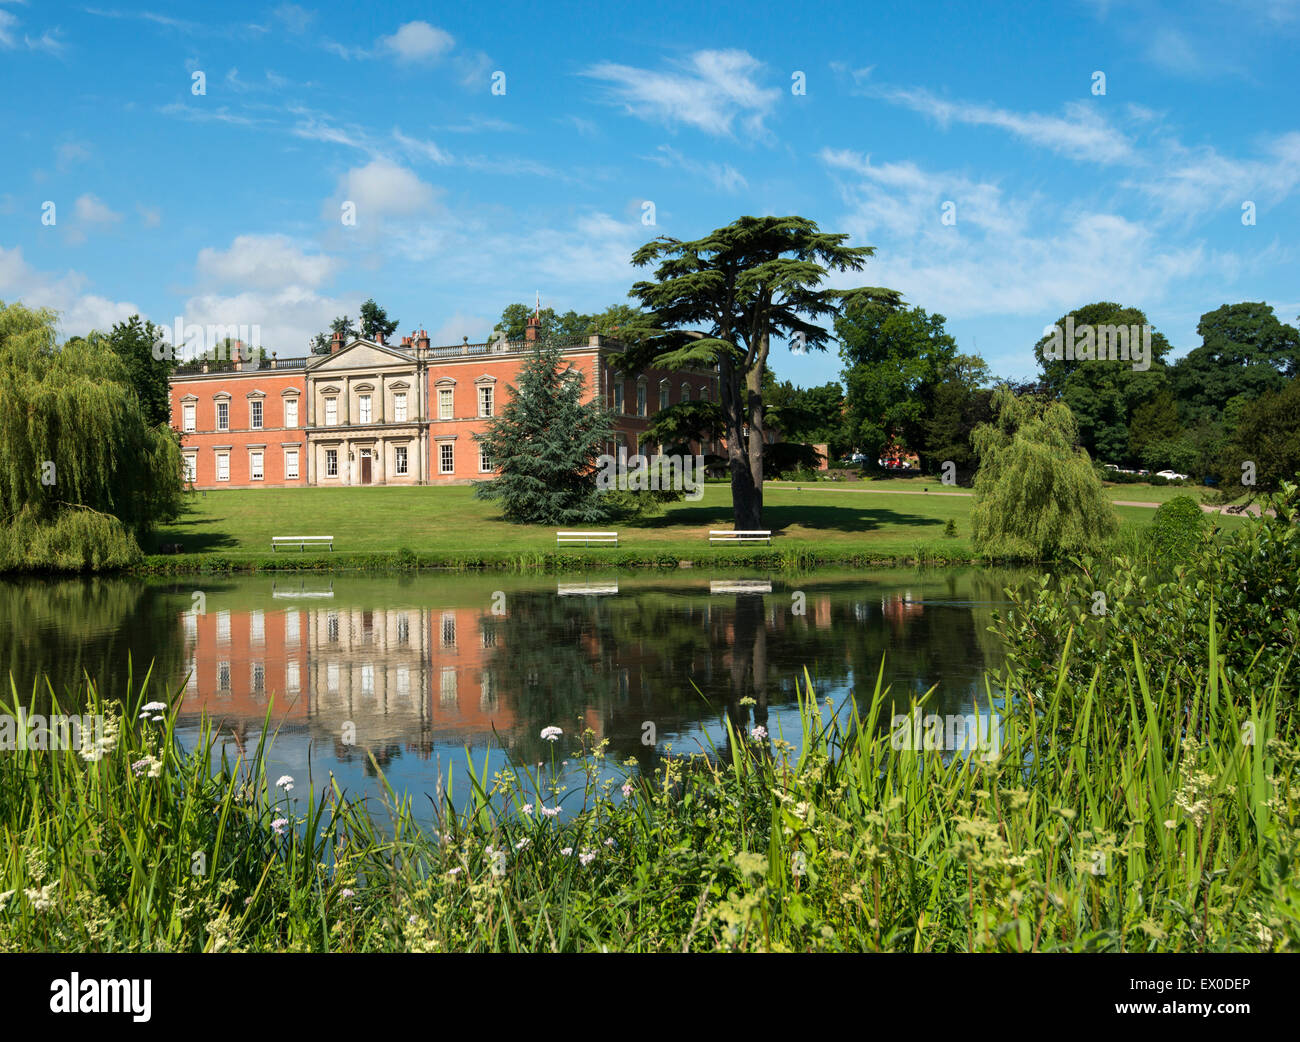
x=365 y=466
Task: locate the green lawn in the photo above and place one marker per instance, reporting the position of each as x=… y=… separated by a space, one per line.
x=823 y=518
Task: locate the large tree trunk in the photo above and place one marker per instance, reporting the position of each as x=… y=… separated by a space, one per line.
x=746 y=493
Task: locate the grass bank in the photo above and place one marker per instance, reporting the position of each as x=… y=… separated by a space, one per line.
x=1173 y=825
x=832 y=524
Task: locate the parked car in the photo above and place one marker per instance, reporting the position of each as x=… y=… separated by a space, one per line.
x=1172 y=475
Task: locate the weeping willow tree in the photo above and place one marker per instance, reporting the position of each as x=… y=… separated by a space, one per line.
x=1037 y=495
x=82 y=473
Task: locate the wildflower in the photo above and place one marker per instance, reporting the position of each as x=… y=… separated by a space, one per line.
x=153 y=707
x=156 y=719
x=567 y=851
x=550 y=812
x=758 y=733
x=627 y=790
x=41 y=899
x=587 y=857
x=285 y=782
x=347 y=892
x=139 y=766
x=278 y=824
x=609 y=842
x=453 y=871
x=527 y=808
x=522 y=843
x=551 y=734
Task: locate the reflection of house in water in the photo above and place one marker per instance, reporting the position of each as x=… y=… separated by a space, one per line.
x=898 y=608
x=373 y=678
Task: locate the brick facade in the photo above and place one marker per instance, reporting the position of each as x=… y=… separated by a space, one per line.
x=374 y=414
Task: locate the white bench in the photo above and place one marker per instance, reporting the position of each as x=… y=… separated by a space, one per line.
x=586 y=538
x=741 y=537
x=301 y=541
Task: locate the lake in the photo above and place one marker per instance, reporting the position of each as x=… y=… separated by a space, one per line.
x=406 y=672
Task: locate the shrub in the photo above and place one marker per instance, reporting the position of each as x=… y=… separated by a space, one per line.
x=1177 y=528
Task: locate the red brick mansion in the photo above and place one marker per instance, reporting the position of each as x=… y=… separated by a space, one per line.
x=370 y=413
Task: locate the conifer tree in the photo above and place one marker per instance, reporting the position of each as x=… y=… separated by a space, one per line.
x=546 y=443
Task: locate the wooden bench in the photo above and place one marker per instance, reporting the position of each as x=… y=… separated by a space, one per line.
x=740 y=537
x=301 y=541
x=586 y=538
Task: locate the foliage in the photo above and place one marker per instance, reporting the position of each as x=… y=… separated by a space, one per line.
x=1244 y=352
x=73 y=434
x=1178 y=528
x=375 y=321
x=133 y=341
x=893 y=357
x=1268 y=435
x=814 y=415
x=836 y=839
x=783 y=457
x=74 y=540
x=546 y=442
x=718 y=302
x=1036 y=493
x=515 y=318
x=1252 y=575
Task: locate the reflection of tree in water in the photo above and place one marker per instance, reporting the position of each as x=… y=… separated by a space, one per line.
x=65 y=629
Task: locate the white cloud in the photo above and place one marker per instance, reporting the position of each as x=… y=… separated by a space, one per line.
x=420 y=149
x=381 y=189
x=1003 y=256
x=1189 y=182
x=92 y=210
x=709 y=91
x=288 y=317
x=264 y=262
x=416 y=41
x=79 y=311
x=723 y=176
x=1082 y=133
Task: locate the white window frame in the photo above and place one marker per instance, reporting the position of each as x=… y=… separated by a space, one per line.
x=291 y=412
x=332 y=411
x=401 y=462
x=256 y=414
x=445 y=465
x=191 y=467
x=363 y=408
x=189 y=410
x=399 y=406
x=331 y=461
x=640 y=398
x=486 y=401
x=256 y=464
x=223 y=457
x=618 y=398
x=291 y=464
x=665 y=394
x=446 y=403
x=223 y=421
x=484 y=462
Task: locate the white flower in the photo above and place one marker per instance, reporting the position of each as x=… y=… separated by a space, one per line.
x=627 y=790
x=758 y=733
x=567 y=851
x=587 y=857
x=285 y=782
x=550 y=812
x=551 y=734
x=522 y=843
x=154 y=707
x=527 y=808
x=278 y=824
x=347 y=892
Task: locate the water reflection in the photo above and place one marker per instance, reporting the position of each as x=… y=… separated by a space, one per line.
x=412 y=670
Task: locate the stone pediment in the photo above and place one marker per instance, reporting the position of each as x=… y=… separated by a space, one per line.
x=360 y=354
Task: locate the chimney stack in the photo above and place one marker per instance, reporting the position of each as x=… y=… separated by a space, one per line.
x=422 y=342
x=379 y=338
x=336 y=342
x=406 y=341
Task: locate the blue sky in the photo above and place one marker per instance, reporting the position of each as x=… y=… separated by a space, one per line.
x=225 y=207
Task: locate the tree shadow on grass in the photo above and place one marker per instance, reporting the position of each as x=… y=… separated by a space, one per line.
x=846 y=518
x=190 y=542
